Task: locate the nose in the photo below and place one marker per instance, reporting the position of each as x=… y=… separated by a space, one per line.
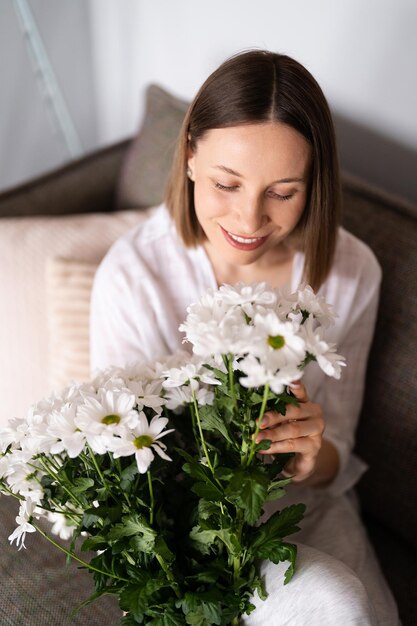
x=250 y=215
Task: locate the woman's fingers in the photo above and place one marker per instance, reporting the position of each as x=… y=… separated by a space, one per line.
x=299 y=390
x=305 y=446
x=293 y=429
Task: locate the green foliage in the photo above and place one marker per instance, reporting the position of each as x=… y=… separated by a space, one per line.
x=182 y=546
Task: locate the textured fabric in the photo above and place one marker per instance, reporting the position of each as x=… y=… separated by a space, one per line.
x=148 y=160
x=323 y=592
x=25 y=245
x=83 y=186
x=387 y=436
x=39 y=589
x=68 y=291
x=147 y=280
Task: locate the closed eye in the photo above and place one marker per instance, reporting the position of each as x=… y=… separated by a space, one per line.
x=279 y=197
x=225 y=188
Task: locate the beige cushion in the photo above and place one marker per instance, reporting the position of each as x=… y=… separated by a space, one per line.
x=68 y=289
x=25 y=246
x=148 y=160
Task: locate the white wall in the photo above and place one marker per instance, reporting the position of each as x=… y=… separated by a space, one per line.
x=363 y=53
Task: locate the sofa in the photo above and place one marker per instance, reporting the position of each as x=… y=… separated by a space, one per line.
x=54 y=231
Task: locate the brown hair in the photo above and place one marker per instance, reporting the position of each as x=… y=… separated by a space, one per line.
x=259 y=86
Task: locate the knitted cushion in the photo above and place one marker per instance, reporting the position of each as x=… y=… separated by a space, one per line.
x=25 y=245
x=68 y=288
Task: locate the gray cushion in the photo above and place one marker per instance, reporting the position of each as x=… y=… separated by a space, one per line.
x=148 y=159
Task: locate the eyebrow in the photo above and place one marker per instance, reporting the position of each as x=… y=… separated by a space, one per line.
x=228 y=170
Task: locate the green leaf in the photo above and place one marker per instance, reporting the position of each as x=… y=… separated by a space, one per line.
x=275 y=494
x=98 y=542
x=202 y=609
x=169 y=618
x=81 y=485
x=161 y=549
x=283 y=523
x=276 y=489
x=209 y=491
x=211 y=421
x=291 y=552
x=207 y=509
x=248 y=490
x=136 y=598
x=135 y=526
x=204 y=539
x=268 y=537
x=207 y=487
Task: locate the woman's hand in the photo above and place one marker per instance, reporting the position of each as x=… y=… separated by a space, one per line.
x=300 y=430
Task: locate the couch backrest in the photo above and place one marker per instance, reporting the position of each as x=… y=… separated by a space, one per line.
x=387 y=434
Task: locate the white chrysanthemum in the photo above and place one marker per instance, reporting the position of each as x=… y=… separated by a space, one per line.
x=147 y=393
x=105 y=416
x=226 y=333
x=259 y=374
x=12 y=433
x=327 y=358
x=65 y=432
x=177 y=397
x=192 y=374
x=21 y=471
x=61 y=525
x=277 y=341
x=313 y=304
x=142 y=440
x=26 y=512
x=248 y=297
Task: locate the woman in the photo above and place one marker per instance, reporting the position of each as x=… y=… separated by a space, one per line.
x=254 y=196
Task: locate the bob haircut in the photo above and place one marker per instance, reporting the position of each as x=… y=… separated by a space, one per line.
x=258 y=86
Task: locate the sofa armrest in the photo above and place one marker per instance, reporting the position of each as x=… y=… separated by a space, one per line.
x=83 y=186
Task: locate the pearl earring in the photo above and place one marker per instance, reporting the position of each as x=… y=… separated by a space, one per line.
x=189 y=173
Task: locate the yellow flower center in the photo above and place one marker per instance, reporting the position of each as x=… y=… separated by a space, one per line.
x=276 y=342
x=144 y=441
x=110 y=419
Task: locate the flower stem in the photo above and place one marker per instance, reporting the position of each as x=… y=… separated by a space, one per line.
x=55 y=477
x=168 y=574
x=76 y=558
x=258 y=426
x=200 y=430
x=231 y=381
x=151 y=497
x=98 y=470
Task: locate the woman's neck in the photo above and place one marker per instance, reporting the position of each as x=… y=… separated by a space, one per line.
x=276 y=270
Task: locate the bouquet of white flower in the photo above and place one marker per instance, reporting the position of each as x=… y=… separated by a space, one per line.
x=176 y=536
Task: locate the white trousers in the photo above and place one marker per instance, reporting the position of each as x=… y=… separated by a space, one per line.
x=338 y=580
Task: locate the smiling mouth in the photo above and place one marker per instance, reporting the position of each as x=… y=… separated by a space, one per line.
x=243 y=243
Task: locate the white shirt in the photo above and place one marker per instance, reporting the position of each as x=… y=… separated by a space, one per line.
x=148 y=279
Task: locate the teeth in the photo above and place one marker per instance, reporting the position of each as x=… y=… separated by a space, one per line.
x=244 y=239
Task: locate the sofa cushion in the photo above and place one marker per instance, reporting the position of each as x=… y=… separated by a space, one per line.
x=388 y=426
x=26 y=244
x=147 y=163
x=68 y=290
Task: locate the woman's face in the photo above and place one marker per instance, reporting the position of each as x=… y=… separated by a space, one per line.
x=250 y=189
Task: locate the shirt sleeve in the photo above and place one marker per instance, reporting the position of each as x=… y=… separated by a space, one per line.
x=123 y=327
x=341 y=400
